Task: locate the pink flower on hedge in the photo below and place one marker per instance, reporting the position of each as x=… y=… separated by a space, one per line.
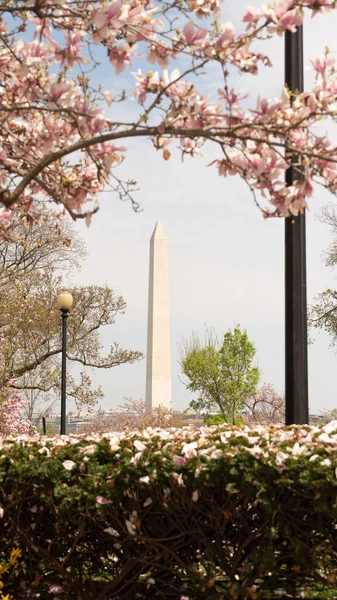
x=179 y=461
x=56 y=589
x=102 y=500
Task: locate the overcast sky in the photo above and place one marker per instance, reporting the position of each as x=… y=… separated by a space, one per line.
x=226 y=263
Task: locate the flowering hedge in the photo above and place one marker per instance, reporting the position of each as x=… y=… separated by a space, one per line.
x=216 y=513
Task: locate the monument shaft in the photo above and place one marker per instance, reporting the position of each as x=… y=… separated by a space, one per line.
x=158 y=367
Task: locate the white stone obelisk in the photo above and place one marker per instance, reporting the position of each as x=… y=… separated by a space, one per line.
x=158 y=366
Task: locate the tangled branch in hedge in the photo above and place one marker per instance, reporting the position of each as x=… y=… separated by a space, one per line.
x=218 y=513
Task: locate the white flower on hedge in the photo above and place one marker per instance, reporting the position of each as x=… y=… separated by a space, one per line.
x=44 y=450
x=145 y=479
x=140 y=446
x=252 y=440
x=111 y=531
x=313 y=457
x=281 y=457
x=297 y=449
x=69 y=465
x=190 y=449
x=150 y=581
x=147 y=502
x=130 y=527
x=324 y=438
x=2 y=512
x=195 y=496
x=115 y=444
x=136 y=458
x=89 y=449
x=164 y=434
x=326 y=462
x=179 y=478
x=255 y=451
x=330 y=427
x=216 y=454
x=206 y=451
x=283 y=436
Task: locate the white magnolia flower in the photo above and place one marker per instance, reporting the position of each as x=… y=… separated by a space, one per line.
x=109 y=96
x=171 y=78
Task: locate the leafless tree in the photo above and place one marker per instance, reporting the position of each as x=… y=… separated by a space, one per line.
x=266 y=408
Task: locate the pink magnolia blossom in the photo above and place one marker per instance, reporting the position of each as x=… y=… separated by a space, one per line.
x=58 y=143
x=12 y=419
x=194 y=37
x=252 y=15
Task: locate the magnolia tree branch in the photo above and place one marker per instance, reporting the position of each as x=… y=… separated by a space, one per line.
x=58 y=140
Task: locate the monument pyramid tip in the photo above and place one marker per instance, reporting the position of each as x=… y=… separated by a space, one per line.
x=158 y=230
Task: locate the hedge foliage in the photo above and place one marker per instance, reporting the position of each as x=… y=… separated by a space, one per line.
x=217 y=513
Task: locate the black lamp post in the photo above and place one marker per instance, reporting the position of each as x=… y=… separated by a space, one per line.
x=296 y=338
x=64 y=303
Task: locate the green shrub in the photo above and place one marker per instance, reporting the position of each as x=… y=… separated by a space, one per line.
x=219 y=419
x=217 y=513
x=215 y=420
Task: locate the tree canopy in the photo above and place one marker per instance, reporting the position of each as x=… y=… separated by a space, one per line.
x=222 y=372
x=323 y=309
x=33 y=269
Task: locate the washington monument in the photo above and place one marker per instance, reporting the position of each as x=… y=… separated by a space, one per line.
x=158 y=366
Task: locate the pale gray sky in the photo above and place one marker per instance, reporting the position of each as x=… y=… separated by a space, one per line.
x=225 y=262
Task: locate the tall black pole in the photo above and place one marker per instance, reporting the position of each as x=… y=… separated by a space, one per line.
x=64 y=312
x=296 y=339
